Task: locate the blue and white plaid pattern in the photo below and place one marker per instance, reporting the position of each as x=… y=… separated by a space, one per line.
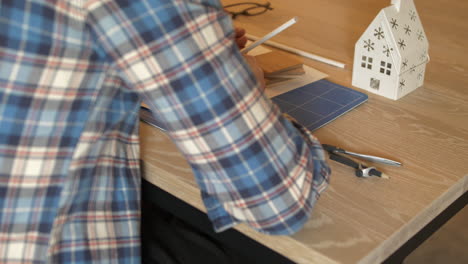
x=72 y=77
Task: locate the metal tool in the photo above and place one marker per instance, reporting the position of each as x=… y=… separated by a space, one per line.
x=371 y=158
x=360 y=169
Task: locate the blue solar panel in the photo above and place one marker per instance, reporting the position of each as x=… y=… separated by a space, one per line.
x=316 y=104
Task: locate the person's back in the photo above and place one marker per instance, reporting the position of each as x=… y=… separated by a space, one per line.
x=72 y=77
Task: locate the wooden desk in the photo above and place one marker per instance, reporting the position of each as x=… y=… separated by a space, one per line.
x=363 y=220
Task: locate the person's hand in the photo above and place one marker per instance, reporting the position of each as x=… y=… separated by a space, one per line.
x=256 y=70
x=241 y=38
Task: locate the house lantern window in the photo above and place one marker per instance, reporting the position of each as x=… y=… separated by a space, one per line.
x=366 y=62
x=385 y=67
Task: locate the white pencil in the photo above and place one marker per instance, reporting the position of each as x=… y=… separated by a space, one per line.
x=270 y=35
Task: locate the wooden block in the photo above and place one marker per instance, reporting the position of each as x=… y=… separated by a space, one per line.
x=289 y=74
x=269 y=81
x=277 y=62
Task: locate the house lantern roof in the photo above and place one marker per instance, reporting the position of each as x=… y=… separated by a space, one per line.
x=407 y=37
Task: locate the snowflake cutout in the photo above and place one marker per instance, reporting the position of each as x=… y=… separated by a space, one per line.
x=387 y=50
x=423 y=55
x=420 y=35
x=369 y=45
x=402 y=44
x=379 y=33
x=413 y=69
x=402 y=84
x=420 y=75
x=394 y=23
x=405 y=63
x=412 y=14
x=407 y=30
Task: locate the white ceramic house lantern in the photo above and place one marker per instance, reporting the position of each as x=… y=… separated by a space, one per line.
x=390 y=57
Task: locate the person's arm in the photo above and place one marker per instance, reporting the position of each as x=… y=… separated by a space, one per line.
x=251 y=164
x=241 y=41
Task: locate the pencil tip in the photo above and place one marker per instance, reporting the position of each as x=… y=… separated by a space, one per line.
x=385 y=176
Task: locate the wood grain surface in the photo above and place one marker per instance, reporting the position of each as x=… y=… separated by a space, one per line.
x=362 y=220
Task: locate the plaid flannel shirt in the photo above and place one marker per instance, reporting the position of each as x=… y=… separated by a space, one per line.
x=72 y=77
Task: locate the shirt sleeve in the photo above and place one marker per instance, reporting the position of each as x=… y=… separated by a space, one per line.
x=251 y=164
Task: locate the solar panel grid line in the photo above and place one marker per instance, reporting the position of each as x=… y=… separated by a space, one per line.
x=326 y=102
x=348 y=106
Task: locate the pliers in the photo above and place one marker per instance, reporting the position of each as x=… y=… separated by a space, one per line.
x=336 y=154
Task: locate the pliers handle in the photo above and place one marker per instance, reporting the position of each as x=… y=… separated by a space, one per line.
x=360 y=170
